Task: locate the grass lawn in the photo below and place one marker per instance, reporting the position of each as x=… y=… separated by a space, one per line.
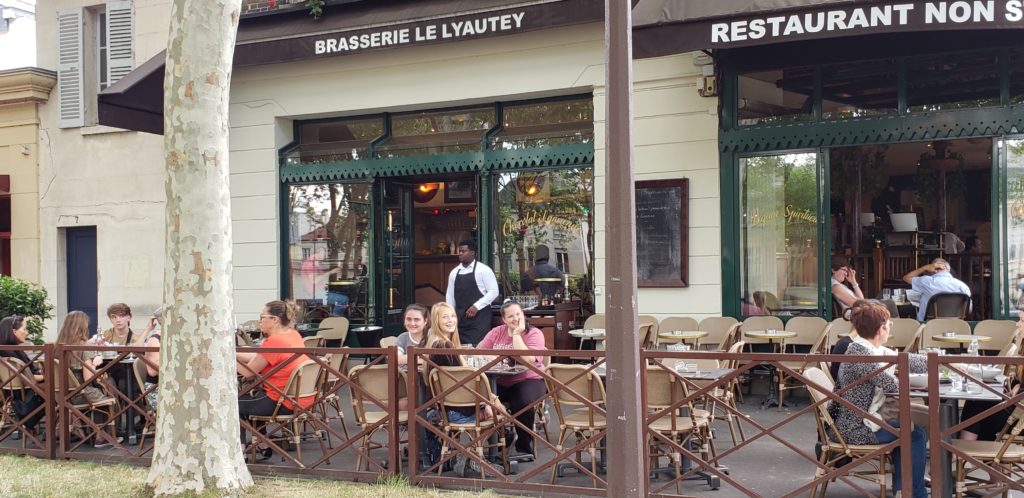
x=32 y=477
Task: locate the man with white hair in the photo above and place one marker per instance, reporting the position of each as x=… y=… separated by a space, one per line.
x=934 y=278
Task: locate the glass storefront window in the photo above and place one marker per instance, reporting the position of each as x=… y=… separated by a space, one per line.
x=1012 y=220
x=438 y=132
x=328 y=249
x=545 y=211
x=953 y=80
x=546 y=123
x=776 y=96
x=858 y=89
x=778 y=235
x=346 y=140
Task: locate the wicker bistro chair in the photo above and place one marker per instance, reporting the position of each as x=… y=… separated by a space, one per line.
x=105 y=407
x=1002 y=332
x=834 y=449
x=811 y=331
x=335 y=330
x=759 y=323
x=149 y=414
x=313 y=341
x=1005 y=454
x=840 y=327
x=647 y=333
x=12 y=387
x=906 y=334
x=389 y=341
x=575 y=408
x=476 y=391
x=717 y=328
x=947 y=305
x=937 y=326
x=304 y=381
x=674 y=323
x=665 y=391
x=370 y=385
x=330 y=398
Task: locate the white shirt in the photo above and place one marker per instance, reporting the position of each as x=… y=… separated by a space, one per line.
x=930 y=285
x=485 y=281
x=879 y=398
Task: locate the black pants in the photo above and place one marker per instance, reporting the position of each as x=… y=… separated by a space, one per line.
x=24 y=402
x=257 y=404
x=517 y=396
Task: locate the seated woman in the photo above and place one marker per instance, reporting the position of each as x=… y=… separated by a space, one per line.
x=843 y=343
x=444 y=334
x=872 y=323
x=276 y=319
x=75 y=332
x=417 y=322
x=14 y=332
x=522 y=389
x=845 y=288
x=988 y=428
x=152 y=378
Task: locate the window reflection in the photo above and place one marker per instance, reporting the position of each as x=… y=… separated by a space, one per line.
x=328 y=248
x=1013 y=219
x=345 y=140
x=438 y=132
x=778 y=95
x=954 y=80
x=858 y=89
x=545 y=124
x=778 y=235
x=540 y=211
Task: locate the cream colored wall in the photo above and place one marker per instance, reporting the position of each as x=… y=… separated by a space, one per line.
x=675 y=133
x=19 y=156
x=103 y=177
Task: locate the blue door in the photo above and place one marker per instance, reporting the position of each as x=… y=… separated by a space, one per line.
x=81 y=269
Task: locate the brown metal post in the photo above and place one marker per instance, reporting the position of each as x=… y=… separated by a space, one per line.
x=394 y=442
x=626 y=476
x=906 y=425
x=51 y=402
x=935 y=428
x=412 y=391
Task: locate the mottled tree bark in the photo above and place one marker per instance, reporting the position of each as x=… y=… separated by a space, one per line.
x=197 y=444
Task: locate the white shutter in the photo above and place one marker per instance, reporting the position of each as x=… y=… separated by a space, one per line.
x=69 y=68
x=120 y=34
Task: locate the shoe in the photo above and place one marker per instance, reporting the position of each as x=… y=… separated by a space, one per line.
x=460 y=465
x=104 y=442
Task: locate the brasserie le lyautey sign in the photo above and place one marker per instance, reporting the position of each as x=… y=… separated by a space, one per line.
x=858 y=18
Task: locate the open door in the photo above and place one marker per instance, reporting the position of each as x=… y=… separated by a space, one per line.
x=397 y=289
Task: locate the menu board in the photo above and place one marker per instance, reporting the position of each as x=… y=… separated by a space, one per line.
x=661 y=233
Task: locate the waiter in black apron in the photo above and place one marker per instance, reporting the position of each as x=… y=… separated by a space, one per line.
x=472 y=288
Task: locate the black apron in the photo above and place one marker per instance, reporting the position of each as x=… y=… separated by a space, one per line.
x=467 y=293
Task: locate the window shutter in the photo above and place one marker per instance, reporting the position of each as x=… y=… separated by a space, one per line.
x=69 y=68
x=120 y=34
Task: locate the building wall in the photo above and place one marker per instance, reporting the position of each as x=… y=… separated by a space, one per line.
x=104 y=177
x=21 y=92
x=672 y=122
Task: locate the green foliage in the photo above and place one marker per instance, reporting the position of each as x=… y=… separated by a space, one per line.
x=18 y=297
x=316 y=8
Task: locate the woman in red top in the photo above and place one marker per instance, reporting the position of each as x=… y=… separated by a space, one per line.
x=275 y=323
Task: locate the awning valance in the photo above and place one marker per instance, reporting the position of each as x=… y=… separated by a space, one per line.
x=663 y=27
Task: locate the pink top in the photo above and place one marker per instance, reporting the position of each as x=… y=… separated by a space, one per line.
x=498 y=338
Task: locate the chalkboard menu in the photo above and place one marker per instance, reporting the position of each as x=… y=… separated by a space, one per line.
x=661 y=233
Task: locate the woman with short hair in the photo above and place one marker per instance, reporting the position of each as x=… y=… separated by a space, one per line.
x=872 y=322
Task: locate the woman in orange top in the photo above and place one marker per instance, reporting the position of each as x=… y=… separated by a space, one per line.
x=275 y=323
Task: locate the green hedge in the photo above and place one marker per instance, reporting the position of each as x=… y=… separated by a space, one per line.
x=18 y=297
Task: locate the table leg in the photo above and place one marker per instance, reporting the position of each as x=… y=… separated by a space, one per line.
x=130 y=412
x=948 y=417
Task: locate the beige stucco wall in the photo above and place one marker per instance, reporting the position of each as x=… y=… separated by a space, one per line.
x=103 y=177
x=675 y=134
x=21 y=92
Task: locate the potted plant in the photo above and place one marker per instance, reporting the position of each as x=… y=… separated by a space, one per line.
x=18 y=297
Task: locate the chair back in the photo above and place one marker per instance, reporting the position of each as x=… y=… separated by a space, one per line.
x=337 y=362
x=587 y=386
x=717 y=327
x=827 y=428
x=387 y=342
x=139 y=371
x=760 y=323
x=304 y=380
x=1002 y=333
x=947 y=305
x=732 y=336
x=335 y=329
x=651 y=319
x=937 y=326
x=808 y=330
x=595 y=321
x=1008 y=369
x=903 y=332
x=665 y=389
x=647 y=335
x=823 y=344
x=840 y=326
x=475 y=391
x=737 y=347
x=313 y=341
x=372 y=382
x=9 y=378
x=678 y=323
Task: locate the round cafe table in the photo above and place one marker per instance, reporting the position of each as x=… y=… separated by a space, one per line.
x=584 y=335
x=683 y=336
x=960 y=340
x=771 y=335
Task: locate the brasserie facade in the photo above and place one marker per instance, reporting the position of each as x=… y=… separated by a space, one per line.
x=366 y=144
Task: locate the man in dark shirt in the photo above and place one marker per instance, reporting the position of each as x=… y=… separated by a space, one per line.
x=543 y=270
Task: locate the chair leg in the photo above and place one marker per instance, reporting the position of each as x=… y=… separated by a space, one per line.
x=562 y=433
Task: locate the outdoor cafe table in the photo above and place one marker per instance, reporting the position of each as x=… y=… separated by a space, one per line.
x=124 y=371
x=683 y=336
x=583 y=335
x=771 y=335
x=949 y=415
x=960 y=339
